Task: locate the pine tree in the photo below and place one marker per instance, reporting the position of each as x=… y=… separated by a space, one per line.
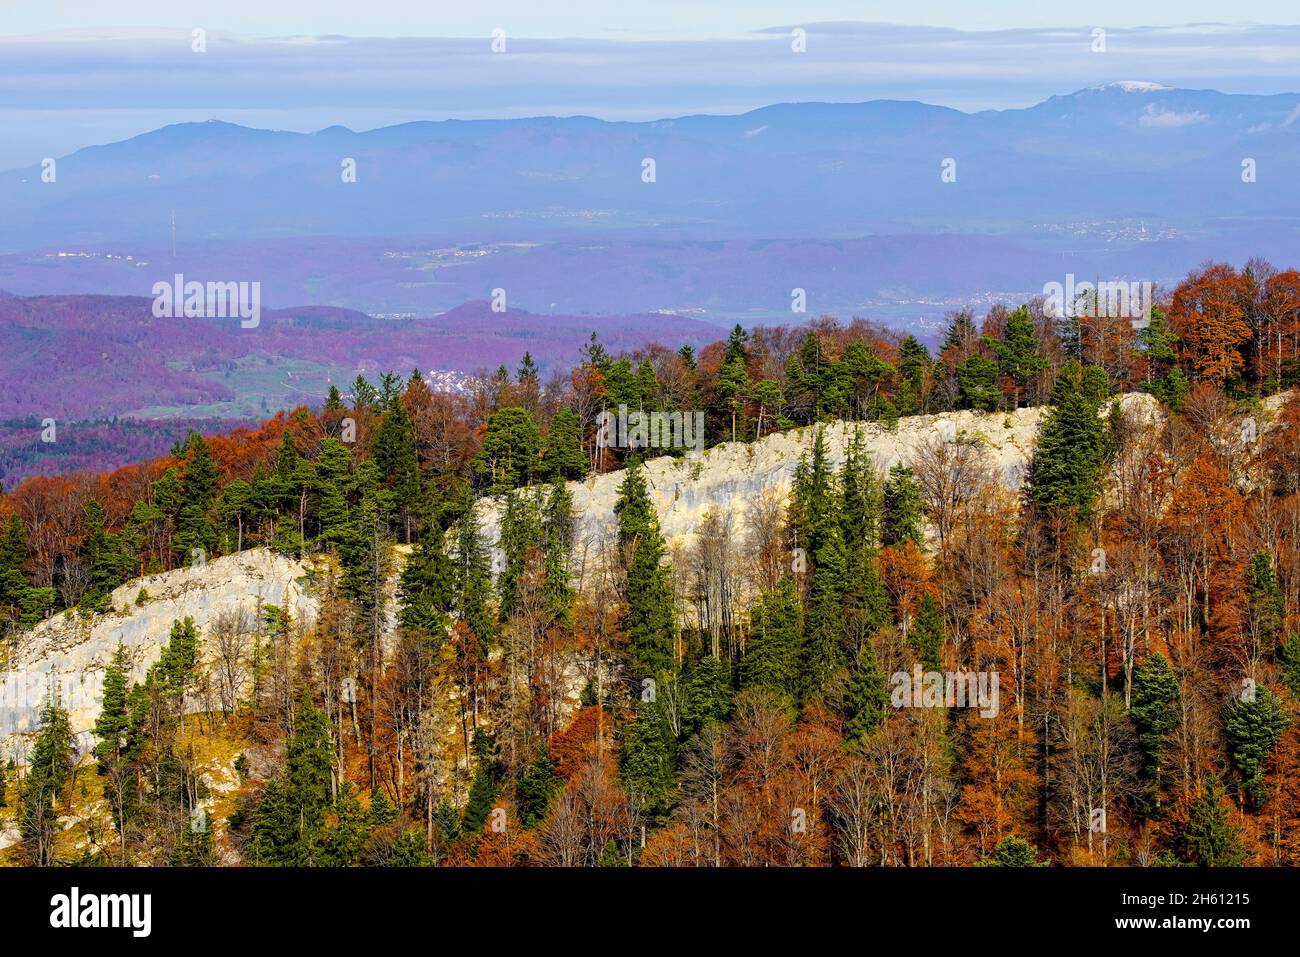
x=473 y=579
x=1013 y=851
x=1067 y=464
x=867 y=700
x=1208 y=838
x=426 y=590
x=926 y=636
x=309 y=769
x=48 y=771
x=1155 y=715
x=1017 y=352
x=708 y=692
x=557 y=588
x=508 y=458
x=647 y=619
x=536 y=786
x=110 y=726
x=564 y=457
x=1254 y=728
x=734 y=393
x=647 y=760
x=901 y=518
x=771 y=658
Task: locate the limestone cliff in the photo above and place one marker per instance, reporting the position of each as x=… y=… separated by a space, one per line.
x=729 y=479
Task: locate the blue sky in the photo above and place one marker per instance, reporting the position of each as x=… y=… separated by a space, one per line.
x=597 y=18
x=77 y=73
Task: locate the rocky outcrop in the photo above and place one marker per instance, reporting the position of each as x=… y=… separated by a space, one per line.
x=70 y=652
x=733 y=478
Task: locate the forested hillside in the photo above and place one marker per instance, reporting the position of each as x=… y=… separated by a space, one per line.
x=783 y=695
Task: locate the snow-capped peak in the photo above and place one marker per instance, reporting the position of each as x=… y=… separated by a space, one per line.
x=1135 y=86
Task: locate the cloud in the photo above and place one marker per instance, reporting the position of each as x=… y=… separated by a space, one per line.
x=1157 y=117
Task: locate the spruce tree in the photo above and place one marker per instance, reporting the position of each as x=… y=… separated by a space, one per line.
x=708 y=695
x=275 y=826
x=473 y=579
x=309 y=767
x=1155 y=715
x=520 y=536
x=977 y=383
x=536 y=786
x=1067 y=466
x=558 y=532
x=647 y=619
x=1289 y=663
x=426 y=589
x=195 y=532
x=1255 y=726
x=926 y=636
x=1264 y=602
x=914 y=365
x=482 y=796
x=647 y=759
x=399 y=467
x=901 y=518
x=867 y=700
x=195 y=848
x=110 y=726
x=1013 y=851
x=1017 y=352
x=343 y=842
x=1208 y=838
x=564 y=457
x=329 y=486
x=48 y=772
x=771 y=658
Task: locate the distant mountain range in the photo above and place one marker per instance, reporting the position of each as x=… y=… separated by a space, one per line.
x=846 y=200
x=796 y=169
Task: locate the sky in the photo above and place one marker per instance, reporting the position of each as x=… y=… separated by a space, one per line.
x=603 y=18
x=75 y=73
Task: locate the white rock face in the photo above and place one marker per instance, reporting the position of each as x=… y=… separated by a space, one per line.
x=70 y=653
x=729 y=479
